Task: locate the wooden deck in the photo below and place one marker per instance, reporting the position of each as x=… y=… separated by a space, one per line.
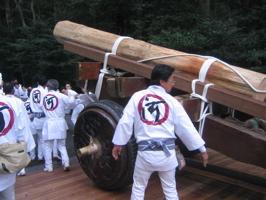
x=192 y=184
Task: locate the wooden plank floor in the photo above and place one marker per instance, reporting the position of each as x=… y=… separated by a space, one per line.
x=226 y=162
x=75 y=185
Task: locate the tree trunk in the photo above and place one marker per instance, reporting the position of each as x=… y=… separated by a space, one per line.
x=18 y=7
x=38 y=10
x=205 y=6
x=33 y=12
x=8 y=13
x=138 y=50
x=54 y=10
x=245 y=3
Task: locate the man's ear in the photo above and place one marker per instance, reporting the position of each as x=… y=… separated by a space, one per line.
x=162 y=83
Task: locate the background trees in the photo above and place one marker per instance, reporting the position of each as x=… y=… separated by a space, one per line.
x=233 y=31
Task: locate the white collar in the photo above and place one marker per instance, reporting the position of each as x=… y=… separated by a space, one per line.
x=157 y=88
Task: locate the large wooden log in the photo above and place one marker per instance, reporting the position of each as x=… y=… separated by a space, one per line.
x=216 y=94
x=139 y=50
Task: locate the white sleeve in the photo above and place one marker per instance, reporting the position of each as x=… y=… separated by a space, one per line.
x=69 y=102
x=185 y=129
x=202 y=149
x=20 y=124
x=76 y=112
x=124 y=128
x=43 y=94
x=27 y=134
x=24 y=131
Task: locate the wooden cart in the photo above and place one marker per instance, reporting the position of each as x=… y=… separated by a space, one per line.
x=235 y=128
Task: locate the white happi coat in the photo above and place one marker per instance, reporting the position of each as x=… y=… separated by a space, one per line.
x=36 y=98
x=55 y=125
x=29 y=112
x=71 y=94
x=14 y=127
x=20 y=92
x=153 y=113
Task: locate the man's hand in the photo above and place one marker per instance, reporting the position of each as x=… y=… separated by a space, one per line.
x=204 y=158
x=116 y=151
x=180 y=159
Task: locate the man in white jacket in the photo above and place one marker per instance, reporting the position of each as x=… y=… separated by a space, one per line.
x=55 y=126
x=156 y=119
x=14 y=126
x=19 y=90
x=35 y=99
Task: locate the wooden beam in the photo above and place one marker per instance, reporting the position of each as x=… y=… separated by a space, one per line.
x=229 y=176
x=151 y=54
x=216 y=94
x=89 y=70
x=118 y=62
x=261 y=96
x=235 y=141
x=191 y=106
x=125 y=86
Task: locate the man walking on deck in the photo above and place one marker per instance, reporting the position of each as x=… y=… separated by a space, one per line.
x=35 y=99
x=14 y=127
x=55 y=126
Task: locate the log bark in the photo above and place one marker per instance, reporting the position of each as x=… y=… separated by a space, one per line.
x=137 y=50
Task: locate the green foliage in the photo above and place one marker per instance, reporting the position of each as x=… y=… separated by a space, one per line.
x=34 y=50
x=225 y=37
x=230 y=30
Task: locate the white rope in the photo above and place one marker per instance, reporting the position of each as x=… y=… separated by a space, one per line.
x=204 y=68
x=203 y=97
x=231 y=112
x=105 y=61
x=117 y=42
x=104 y=70
x=208 y=57
x=194 y=94
x=1 y=79
x=202 y=122
x=205 y=104
x=1 y=84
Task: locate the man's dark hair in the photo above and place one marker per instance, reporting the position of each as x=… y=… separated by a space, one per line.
x=52 y=84
x=40 y=80
x=75 y=86
x=161 y=72
x=8 y=88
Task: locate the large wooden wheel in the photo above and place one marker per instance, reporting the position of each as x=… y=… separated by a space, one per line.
x=95 y=127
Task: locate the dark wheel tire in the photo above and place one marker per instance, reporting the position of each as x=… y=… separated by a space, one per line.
x=98 y=121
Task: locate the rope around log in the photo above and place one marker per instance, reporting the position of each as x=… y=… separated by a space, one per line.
x=208 y=57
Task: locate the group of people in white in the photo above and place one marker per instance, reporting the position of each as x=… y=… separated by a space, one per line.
x=40 y=112
x=152 y=115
